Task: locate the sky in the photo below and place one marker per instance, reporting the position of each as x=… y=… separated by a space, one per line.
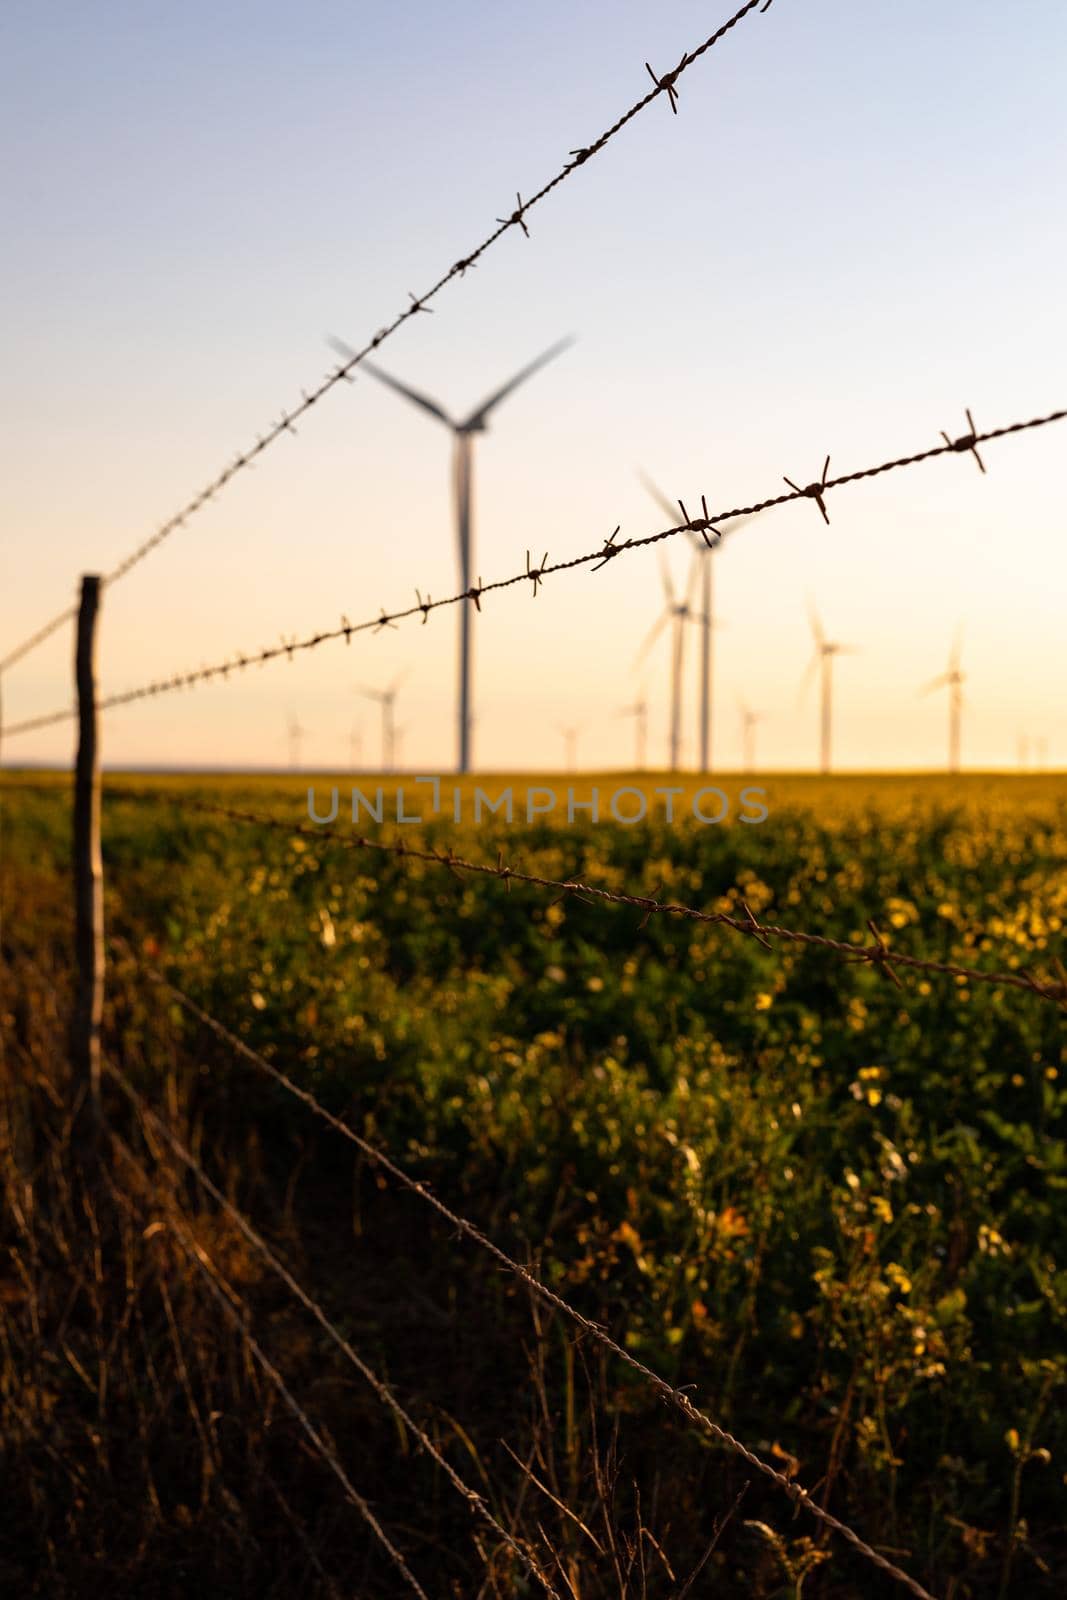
x=853 y=229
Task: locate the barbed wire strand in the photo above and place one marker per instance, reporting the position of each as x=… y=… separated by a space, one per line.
x=666 y=84
x=877 y=954
x=676 y=1398
x=476 y=1503
x=37 y=638
x=610 y=548
x=230 y=1301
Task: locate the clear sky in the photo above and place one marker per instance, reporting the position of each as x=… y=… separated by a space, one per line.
x=854 y=228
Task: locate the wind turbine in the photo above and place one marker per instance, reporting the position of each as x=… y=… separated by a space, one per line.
x=296 y=739
x=386 y=698
x=463 y=480
x=702 y=552
x=570 y=744
x=679 y=612
x=825 y=651
x=749 y=720
x=639 y=712
x=953 y=680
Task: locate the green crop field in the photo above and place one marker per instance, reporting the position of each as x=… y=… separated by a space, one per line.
x=834 y=1206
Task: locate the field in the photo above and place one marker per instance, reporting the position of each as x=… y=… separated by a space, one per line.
x=834 y=1206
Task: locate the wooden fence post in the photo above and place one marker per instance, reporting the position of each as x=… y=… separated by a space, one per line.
x=88 y=863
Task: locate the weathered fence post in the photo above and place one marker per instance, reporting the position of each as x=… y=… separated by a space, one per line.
x=88 y=864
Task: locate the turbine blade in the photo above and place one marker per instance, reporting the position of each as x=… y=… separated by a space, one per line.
x=957 y=645
x=478 y=417
x=669 y=508
x=410 y=394
x=935 y=683
x=694 y=573
x=809 y=672
x=816 y=626
x=668 y=584
x=652 y=635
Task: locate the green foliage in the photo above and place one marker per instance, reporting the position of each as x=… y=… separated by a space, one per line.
x=835 y=1207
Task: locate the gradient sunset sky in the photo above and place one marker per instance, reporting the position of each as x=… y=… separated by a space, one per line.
x=854 y=228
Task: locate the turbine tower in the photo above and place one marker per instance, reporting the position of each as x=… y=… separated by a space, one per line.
x=702 y=553
x=386 y=698
x=639 y=712
x=463 y=480
x=679 y=612
x=823 y=657
x=953 y=681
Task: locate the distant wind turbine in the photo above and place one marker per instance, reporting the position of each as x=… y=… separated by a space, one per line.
x=570 y=745
x=679 y=612
x=296 y=739
x=749 y=720
x=823 y=657
x=702 y=553
x=639 y=712
x=953 y=680
x=463 y=480
x=386 y=698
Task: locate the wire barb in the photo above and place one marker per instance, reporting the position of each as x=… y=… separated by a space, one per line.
x=966 y=441
x=814 y=491
x=610 y=549
x=880 y=957
x=666 y=83
x=750 y=925
x=535 y=574
x=516 y=219
x=702 y=525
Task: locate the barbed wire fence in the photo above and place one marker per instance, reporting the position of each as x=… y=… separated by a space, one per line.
x=673 y=1396
x=87 y=1043
x=707 y=525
